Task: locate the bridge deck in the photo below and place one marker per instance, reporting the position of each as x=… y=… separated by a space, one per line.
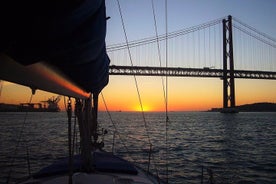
x=187 y=72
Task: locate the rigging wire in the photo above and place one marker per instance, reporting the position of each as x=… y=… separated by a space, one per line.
x=134 y=76
x=64 y=102
x=115 y=128
x=75 y=136
x=167 y=118
x=119 y=135
x=159 y=57
x=1 y=87
x=19 y=137
x=158 y=47
x=113 y=123
x=70 y=162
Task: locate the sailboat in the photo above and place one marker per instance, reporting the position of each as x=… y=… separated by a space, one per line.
x=59 y=47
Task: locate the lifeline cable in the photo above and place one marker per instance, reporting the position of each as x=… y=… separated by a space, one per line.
x=18 y=141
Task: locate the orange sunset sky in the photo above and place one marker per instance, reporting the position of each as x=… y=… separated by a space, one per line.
x=185 y=94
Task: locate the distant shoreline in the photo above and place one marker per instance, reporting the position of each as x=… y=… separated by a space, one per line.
x=25 y=108
x=254 y=107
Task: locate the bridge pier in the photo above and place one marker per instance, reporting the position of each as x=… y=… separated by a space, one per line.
x=229 y=103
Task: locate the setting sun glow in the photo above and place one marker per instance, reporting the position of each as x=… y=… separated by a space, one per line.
x=183 y=94
x=144 y=108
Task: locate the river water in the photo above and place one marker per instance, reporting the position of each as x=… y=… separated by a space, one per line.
x=237 y=148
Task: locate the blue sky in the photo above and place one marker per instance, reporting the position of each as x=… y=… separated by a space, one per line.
x=138 y=18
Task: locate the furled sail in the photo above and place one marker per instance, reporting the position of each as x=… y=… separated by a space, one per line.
x=68 y=35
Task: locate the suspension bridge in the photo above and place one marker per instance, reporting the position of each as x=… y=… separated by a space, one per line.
x=225 y=48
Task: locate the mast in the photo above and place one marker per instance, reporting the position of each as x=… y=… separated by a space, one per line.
x=83 y=112
x=87 y=119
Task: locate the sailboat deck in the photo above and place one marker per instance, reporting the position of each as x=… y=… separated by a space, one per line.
x=108 y=169
x=98 y=177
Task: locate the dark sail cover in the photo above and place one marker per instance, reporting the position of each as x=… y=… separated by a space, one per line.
x=68 y=34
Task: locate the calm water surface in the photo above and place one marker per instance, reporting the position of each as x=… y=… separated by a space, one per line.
x=238 y=148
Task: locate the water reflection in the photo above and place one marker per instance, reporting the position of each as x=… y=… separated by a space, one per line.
x=239 y=147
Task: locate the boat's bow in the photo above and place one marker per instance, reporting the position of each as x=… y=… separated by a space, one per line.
x=107 y=169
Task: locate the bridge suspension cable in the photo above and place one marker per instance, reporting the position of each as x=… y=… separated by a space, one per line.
x=254 y=50
x=254 y=30
x=256 y=36
x=194 y=49
x=162 y=37
x=200 y=47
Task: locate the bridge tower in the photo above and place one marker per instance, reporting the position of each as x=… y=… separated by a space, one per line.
x=228 y=65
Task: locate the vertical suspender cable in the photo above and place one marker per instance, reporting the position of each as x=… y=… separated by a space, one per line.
x=204 y=47
x=199 y=61
x=215 y=34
